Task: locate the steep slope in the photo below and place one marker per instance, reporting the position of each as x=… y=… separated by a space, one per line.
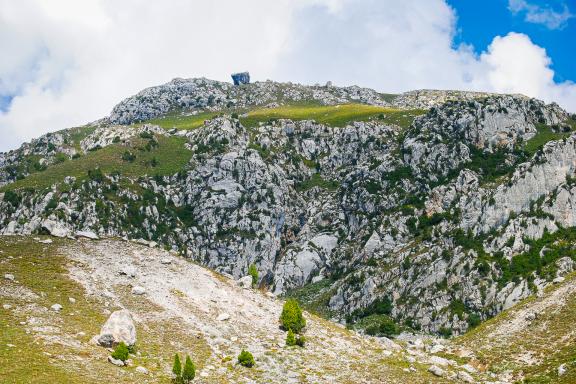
x=180 y=312
x=437 y=219
x=533 y=341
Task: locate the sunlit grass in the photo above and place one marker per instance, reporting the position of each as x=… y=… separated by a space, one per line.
x=170 y=156
x=333 y=115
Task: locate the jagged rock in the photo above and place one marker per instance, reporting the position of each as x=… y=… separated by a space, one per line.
x=55 y=228
x=119 y=327
x=375 y=205
x=436 y=371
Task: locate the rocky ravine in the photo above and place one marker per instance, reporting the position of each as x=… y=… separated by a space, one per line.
x=451 y=219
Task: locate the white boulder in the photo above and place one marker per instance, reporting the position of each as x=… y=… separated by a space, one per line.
x=119 y=327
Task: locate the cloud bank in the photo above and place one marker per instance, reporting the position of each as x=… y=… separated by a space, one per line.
x=70 y=62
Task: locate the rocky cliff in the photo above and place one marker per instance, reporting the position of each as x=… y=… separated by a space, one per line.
x=446 y=206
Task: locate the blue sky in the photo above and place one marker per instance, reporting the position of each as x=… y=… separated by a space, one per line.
x=480 y=21
x=68 y=62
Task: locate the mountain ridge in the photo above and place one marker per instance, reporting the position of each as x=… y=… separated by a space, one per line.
x=438 y=211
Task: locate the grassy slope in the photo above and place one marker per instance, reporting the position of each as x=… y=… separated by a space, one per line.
x=543 y=135
x=179 y=121
x=171 y=155
x=334 y=115
x=41 y=269
x=530 y=350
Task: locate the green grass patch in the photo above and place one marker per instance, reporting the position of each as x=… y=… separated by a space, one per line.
x=544 y=134
x=317 y=181
x=313 y=297
x=181 y=121
x=333 y=115
x=167 y=158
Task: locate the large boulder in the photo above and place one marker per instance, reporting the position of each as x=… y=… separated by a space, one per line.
x=55 y=228
x=119 y=327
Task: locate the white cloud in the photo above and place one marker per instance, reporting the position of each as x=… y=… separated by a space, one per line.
x=69 y=63
x=541 y=14
x=514 y=64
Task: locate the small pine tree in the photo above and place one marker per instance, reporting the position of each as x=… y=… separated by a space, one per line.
x=177 y=367
x=246 y=359
x=121 y=352
x=189 y=371
x=253 y=271
x=290 y=339
x=291 y=316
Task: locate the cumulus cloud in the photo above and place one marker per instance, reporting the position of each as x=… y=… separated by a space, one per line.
x=68 y=62
x=543 y=15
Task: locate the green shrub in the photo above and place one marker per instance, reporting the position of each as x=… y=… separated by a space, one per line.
x=474 y=320
x=291 y=316
x=177 y=367
x=290 y=339
x=189 y=371
x=121 y=352
x=388 y=327
x=253 y=271
x=445 y=332
x=96 y=175
x=300 y=341
x=12 y=198
x=128 y=156
x=246 y=359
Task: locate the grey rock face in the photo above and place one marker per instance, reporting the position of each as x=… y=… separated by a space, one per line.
x=362 y=212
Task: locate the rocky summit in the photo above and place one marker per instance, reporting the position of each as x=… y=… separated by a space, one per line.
x=417 y=216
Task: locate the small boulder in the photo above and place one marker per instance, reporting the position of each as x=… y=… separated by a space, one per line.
x=465 y=377
x=119 y=327
x=9 y=276
x=56 y=307
x=141 y=370
x=87 y=234
x=72 y=300
x=128 y=270
x=436 y=371
x=6 y=306
x=116 y=362
x=245 y=282
x=166 y=260
x=223 y=317
x=55 y=228
x=562 y=370
x=138 y=290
